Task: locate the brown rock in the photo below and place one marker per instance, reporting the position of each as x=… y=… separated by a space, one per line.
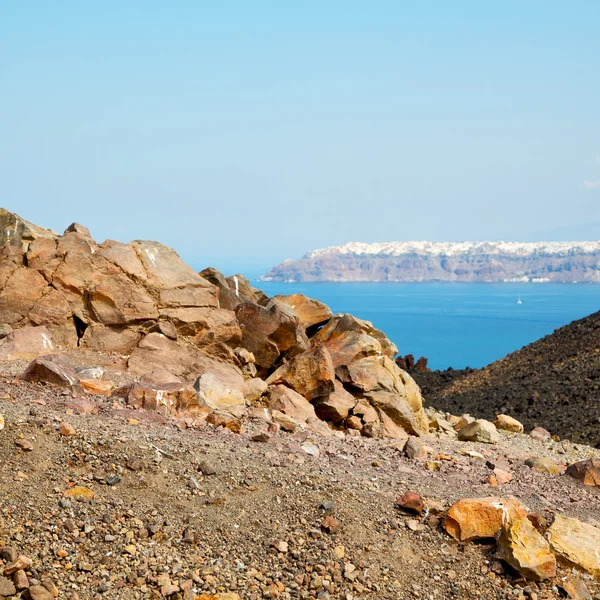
x=353 y=422
x=26 y=343
x=507 y=423
x=38 y=592
x=266 y=332
x=310 y=374
x=15 y=231
x=110 y=339
x=544 y=465
x=20 y=580
x=51 y=368
x=538 y=521
x=587 y=471
x=525 y=550
x=21 y=564
x=478 y=518
x=7 y=587
x=310 y=312
x=575 y=543
x=575 y=588
x=227 y=298
x=21 y=291
x=290 y=403
x=166 y=398
x=203 y=294
x=214 y=393
x=341 y=323
x=539 y=433
x=336 y=406
x=97 y=387
x=67 y=430
x=412 y=502
x=330 y=524
x=415 y=449
x=116 y=300
x=479 y=430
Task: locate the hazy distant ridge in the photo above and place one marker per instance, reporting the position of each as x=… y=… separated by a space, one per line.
x=564 y=262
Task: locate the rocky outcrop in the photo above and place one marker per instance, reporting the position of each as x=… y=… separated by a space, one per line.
x=446 y=261
x=182 y=330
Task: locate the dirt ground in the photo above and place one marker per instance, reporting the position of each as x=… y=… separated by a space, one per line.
x=205 y=510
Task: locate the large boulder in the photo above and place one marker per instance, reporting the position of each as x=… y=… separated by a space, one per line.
x=290 y=403
x=311 y=373
x=110 y=339
x=227 y=298
x=525 y=550
x=53 y=369
x=215 y=394
x=266 y=332
x=311 y=313
x=587 y=471
x=336 y=406
x=342 y=323
x=26 y=343
x=481 y=518
x=576 y=544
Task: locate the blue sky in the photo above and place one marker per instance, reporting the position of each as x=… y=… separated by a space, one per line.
x=255 y=131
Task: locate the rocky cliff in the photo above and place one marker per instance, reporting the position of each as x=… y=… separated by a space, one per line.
x=560 y=262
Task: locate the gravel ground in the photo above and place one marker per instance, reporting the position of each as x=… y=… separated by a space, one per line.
x=205 y=510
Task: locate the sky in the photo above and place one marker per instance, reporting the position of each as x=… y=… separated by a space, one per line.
x=248 y=132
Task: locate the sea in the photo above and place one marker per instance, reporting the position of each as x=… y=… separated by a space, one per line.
x=455 y=325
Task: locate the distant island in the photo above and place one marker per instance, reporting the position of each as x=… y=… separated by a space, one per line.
x=412 y=262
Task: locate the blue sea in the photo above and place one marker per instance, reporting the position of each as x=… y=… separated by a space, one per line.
x=455 y=324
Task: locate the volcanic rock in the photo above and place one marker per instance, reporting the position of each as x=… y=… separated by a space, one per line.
x=310 y=374
x=311 y=313
x=587 y=471
x=525 y=550
x=575 y=543
x=51 y=368
x=478 y=518
x=479 y=431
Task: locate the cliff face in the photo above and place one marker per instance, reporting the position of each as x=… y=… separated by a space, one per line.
x=490 y=262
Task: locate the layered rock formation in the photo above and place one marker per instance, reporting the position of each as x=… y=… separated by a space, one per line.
x=178 y=328
x=449 y=261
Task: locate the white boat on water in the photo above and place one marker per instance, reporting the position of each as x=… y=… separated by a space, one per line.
x=519 y=301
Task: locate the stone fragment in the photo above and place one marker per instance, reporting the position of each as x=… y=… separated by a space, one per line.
x=166 y=398
x=539 y=433
x=544 y=465
x=575 y=543
x=110 y=339
x=478 y=518
x=575 y=589
x=330 y=524
x=79 y=491
x=587 y=471
x=508 y=423
x=336 y=406
x=415 y=449
x=479 y=430
x=97 y=387
x=525 y=550
x=311 y=373
x=66 y=429
x=290 y=403
x=20 y=580
x=22 y=563
x=412 y=502
x=51 y=368
x=7 y=587
x=206 y=468
x=280 y=546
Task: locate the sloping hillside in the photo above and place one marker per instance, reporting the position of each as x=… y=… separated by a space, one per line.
x=554 y=382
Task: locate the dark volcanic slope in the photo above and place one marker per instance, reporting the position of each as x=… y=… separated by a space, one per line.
x=554 y=382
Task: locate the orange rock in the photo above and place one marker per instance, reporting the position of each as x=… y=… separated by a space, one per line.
x=67 y=429
x=79 y=490
x=98 y=387
x=587 y=471
x=524 y=549
x=478 y=518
